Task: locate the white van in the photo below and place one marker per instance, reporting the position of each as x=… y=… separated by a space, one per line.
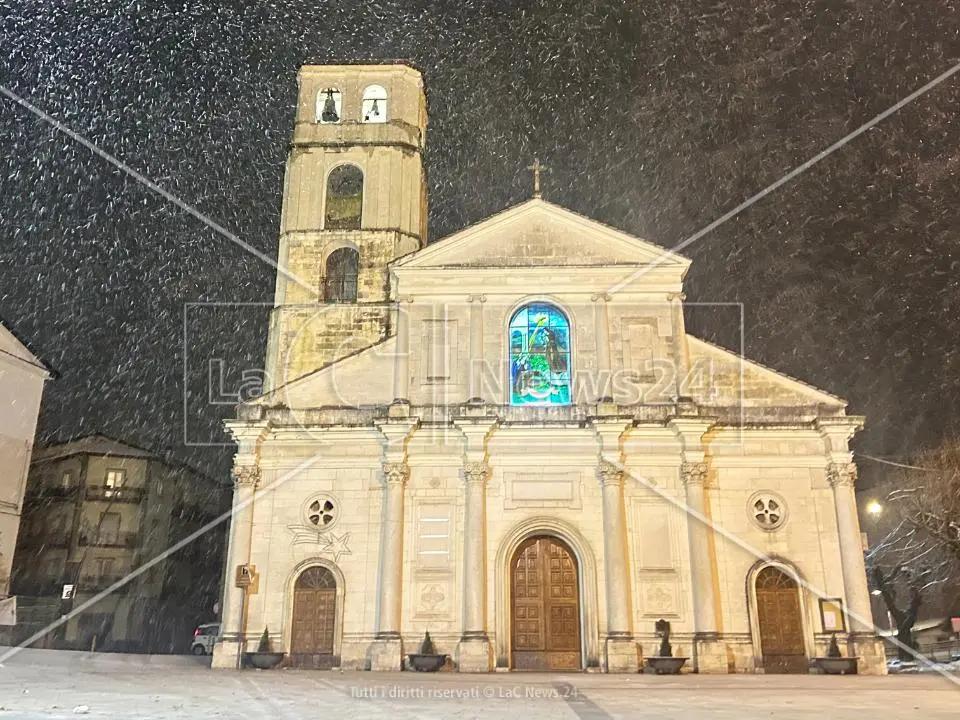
x=204 y=638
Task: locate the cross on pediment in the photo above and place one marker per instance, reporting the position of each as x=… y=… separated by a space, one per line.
x=537 y=168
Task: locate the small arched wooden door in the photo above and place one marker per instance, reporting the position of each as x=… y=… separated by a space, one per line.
x=545 y=606
x=314 y=619
x=780 y=622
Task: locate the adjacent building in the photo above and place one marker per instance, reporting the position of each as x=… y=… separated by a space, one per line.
x=22 y=376
x=97 y=510
x=508 y=438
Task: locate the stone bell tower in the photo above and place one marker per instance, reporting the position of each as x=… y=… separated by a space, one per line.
x=354 y=200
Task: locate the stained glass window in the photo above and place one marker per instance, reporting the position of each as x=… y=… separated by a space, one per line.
x=539 y=356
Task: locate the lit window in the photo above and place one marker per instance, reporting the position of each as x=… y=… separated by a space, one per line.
x=329 y=106
x=539 y=356
x=374 y=105
x=66 y=482
x=113 y=482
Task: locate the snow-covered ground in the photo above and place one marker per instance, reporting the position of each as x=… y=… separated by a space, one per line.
x=38 y=684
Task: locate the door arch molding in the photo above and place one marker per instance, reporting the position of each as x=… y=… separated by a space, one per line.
x=792 y=572
x=289 y=591
x=587 y=568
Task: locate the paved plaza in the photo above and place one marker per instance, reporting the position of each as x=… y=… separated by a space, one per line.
x=48 y=684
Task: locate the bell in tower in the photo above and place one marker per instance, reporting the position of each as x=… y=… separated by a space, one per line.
x=330 y=112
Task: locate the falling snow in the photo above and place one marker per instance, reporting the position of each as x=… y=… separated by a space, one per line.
x=653 y=117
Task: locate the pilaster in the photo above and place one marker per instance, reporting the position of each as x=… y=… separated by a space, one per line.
x=621 y=648
x=474 y=651
x=227 y=652
x=386 y=653
x=709 y=653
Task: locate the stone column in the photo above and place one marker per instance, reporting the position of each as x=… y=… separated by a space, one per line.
x=694 y=475
x=476 y=347
x=395 y=476
x=401 y=364
x=387 y=650
x=842 y=477
x=246 y=477
x=681 y=370
x=604 y=365
x=841 y=474
x=710 y=654
x=474 y=651
x=621 y=649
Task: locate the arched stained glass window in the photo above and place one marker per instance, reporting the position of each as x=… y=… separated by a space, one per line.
x=539 y=356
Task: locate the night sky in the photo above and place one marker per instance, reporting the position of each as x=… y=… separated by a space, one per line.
x=653 y=117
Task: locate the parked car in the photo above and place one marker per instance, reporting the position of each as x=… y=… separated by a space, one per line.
x=204 y=638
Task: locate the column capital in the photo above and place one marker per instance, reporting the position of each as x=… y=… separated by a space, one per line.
x=610 y=473
x=396 y=473
x=476 y=473
x=476 y=298
x=245 y=476
x=601 y=298
x=693 y=473
x=675 y=296
x=842 y=474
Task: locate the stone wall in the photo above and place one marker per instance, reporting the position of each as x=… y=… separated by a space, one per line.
x=563 y=498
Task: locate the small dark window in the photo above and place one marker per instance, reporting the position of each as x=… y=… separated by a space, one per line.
x=340 y=283
x=344 y=198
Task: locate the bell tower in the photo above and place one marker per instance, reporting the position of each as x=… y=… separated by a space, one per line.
x=354 y=200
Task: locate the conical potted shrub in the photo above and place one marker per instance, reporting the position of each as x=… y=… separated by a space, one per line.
x=664 y=663
x=835 y=663
x=265 y=658
x=428 y=659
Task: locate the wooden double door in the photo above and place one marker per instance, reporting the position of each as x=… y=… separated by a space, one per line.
x=545 y=606
x=314 y=619
x=781 y=622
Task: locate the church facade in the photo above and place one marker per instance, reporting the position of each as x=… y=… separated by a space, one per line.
x=507 y=439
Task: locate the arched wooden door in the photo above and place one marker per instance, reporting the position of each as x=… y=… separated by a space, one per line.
x=314 y=619
x=545 y=606
x=781 y=622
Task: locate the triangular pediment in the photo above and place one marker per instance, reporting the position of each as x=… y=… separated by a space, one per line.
x=540 y=234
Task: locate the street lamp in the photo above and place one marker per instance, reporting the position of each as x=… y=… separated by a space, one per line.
x=874 y=508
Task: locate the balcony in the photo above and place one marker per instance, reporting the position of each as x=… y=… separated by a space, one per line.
x=127 y=540
x=96 y=583
x=115 y=494
x=48 y=538
x=49 y=493
x=38 y=587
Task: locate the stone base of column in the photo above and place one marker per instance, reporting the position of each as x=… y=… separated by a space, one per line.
x=622 y=655
x=386 y=654
x=474 y=655
x=226 y=655
x=871 y=653
x=711 y=655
